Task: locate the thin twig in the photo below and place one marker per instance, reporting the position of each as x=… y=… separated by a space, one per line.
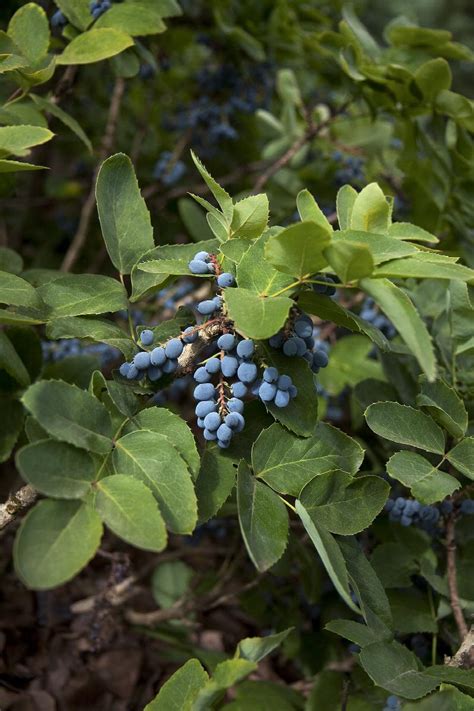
x=464 y=657
x=452 y=577
x=17 y=503
x=87 y=211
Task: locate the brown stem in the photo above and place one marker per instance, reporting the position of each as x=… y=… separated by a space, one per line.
x=17 y=503
x=88 y=207
x=464 y=657
x=452 y=577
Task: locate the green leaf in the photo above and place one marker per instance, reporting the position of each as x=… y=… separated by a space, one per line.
x=393 y=667
x=412 y=233
x=354 y=631
x=258 y=275
x=301 y=414
x=11 y=362
x=250 y=218
x=65 y=118
x=77 y=12
x=123 y=214
x=171 y=426
x=55 y=541
x=263 y=520
x=425 y=265
x=29 y=29
x=151 y=458
x=287 y=463
x=226 y=674
x=350 y=260
x=462 y=457
x=10 y=261
x=399 y=309
x=330 y=555
x=346 y=197
x=70 y=414
x=81 y=294
x=56 y=469
x=298 y=249
x=94 y=329
x=223 y=198
x=94 y=46
x=342 y=504
x=14 y=416
x=141 y=18
x=16 y=291
x=214 y=484
x=432 y=77
x=254 y=649
x=455 y=105
x=194 y=220
x=180 y=691
x=411 y=612
x=381 y=247
x=350 y=363
x=371 y=210
x=130 y=510
x=14 y=166
x=452 y=675
x=405 y=425
x=170 y=582
x=427 y=483
x=19 y=139
x=255 y=316
x=444 y=405
x=309 y=210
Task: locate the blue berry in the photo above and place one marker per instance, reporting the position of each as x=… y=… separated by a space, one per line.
x=174 y=348
x=133 y=372
x=467 y=507
x=154 y=373
x=198 y=267
x=293 y=390
x=229 y=366
x=235 y=405
x=300 y=346
x=267 y=391
x=204 y=391
x=200 y=422
x=290 y=347
x=245 y=348
x=142 y=360
x=170 y=366
x=217 y=301
x=202 y=256
x=146 y=337
x=226 y=342
x=239 y=389
x=209 y=435
x=58 y=19
x=158 y=356
x=225 y=280
x=224 y=433
x=201 y=375
x=303 y=329
x=207 y=307
x=320 y=359
x=235 y=421
x=189 y=335
x=247 y=372
x=204 y=407
x=124 y=368
x=284 y=382
x=223 y=444
x=282 y=398
x=212 y=421
x=213 y=365
x=270 y=375
x=276 y=341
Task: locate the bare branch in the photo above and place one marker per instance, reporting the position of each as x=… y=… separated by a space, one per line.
x=452 y=577
x=464 y=657
x=17 y=503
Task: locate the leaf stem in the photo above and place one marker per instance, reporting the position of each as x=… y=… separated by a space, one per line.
x=290 y=506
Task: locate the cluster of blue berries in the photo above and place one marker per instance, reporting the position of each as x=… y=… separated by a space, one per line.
x=202 y=263
x=297 y=339
x=351 y=170
x=370 y=312
x=168 y=171
x=162 y=360
x=54 y=351
x=410 y=511
x=98 y=7
x=392 y=703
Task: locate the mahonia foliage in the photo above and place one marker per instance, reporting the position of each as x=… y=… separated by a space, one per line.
x=323 y=357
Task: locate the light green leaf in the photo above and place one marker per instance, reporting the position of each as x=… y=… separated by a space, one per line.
x=11 y=362
x=255 y=316
x=65 y=118
x=412 y=233
x=214 y=484
x=124 y=217
x=427 y=482
x=94 y=46
x=399 y=309
x=225 y=675
x=14 y=166
x=19 y=139
x=16 y=291
x=371 y=210
x=405 y=425
x=55 y=541
x=250 y=217
x=444 y=405
x=330 y=555
x=255 y=649
x=180 y=691
x=342 y=504
x=170 y=582
x=70 y=414
x=223 y=198
x=425 y=265
x=81 y=294
x=10 y=261
x=263 y=520
x=298 y=249
x=255 y=273
x=350 y=260
x=433 y=76
x=287 y=463
x=130 y=510
x=138 y=19
x=29 y=29
x=393 y=667
x=151 y=458
x=349 y=364
x=56 y=469
x=194 y=220
x=382 y=247
x=462 y=457
x=345 y=199
x=77 y=12
x=94 y=329
x=309 y=210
